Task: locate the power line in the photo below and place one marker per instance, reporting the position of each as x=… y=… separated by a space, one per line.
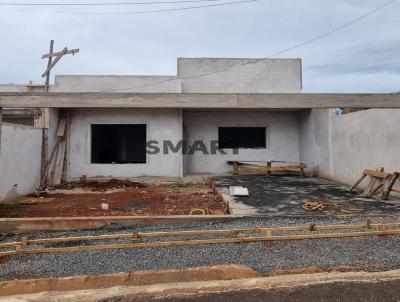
x=132 y=12
x=269 y=56
x=106 y=3
x=335 y=29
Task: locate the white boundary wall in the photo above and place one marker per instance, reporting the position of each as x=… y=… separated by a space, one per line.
x=20 y=160
x=350 y=143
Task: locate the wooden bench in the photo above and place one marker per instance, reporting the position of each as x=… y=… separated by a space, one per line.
x=255 y=167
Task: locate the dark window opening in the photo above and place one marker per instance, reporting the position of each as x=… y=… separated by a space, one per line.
x=122 y=144
x=241 y=137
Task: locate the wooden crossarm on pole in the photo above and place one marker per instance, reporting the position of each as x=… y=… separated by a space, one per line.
x=58 y=58
x=55 y=54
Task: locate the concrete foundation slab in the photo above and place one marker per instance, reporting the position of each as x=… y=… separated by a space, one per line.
x=286 y=195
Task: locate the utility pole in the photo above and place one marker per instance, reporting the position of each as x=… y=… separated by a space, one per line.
x=45 y=111
x=51 y=63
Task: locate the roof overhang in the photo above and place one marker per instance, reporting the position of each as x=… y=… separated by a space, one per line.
x=199 y=100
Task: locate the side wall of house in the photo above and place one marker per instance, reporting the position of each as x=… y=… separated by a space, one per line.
x=162 y=124
x=309 y=149
x=350 y=143
x=20 y=159
x=282 y=137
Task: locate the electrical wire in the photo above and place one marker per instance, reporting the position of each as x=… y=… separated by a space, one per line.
x=106 y=3
x=269 y=56
x=132 y=12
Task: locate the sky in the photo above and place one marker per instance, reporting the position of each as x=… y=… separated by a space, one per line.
x=363 y=57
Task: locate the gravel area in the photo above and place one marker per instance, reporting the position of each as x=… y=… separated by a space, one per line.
x=372 y=253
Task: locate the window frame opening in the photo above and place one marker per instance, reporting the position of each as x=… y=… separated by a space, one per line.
x=116 y=144
x=235 y=137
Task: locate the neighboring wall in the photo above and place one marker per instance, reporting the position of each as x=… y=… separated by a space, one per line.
x=240 y=75
x=20 y=159
x=282 y=137
x=350 y=143
x=162 y=124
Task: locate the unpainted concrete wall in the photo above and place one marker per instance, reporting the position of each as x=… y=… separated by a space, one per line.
x=240 y=75
x=350 y=143
x=161 y=125
x=309 y=150
x=282 y=137
x=116 y=83
x=20 y=160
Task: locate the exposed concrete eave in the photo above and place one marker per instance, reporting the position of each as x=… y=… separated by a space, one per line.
x=198 y=100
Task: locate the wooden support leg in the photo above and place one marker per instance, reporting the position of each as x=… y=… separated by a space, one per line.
x=386 y=193
x=235 y=167
x=357 y=182
x=372 y=182
x=269 y=165
x=379 y=186
x=302 y=174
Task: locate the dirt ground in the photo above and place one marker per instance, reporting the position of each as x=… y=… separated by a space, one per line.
x=123 y=198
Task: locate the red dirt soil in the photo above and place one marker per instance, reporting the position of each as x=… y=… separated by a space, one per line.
x=130 y=199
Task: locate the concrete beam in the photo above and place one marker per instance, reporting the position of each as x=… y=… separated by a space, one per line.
x=198 y=100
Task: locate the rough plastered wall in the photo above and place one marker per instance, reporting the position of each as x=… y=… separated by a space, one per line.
x=162 y=124
x=350 y=143
x=309 y=150
x=240 y=75
x=282 y=137
x=20 y=160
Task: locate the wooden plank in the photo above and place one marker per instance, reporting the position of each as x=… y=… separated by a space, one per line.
x=55 y=54
x=136 y=235
x=358 y=181
x=269 y=166
x=205 y=241
x=58 y=58
x=379 y=186
x=386 y=192
x=59 y=163
x=302 y=167
x=377 y=174
x=61 y=127
x=373 y=180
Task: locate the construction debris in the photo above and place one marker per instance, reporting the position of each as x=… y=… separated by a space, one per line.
x=317 y=205
x=238 y=191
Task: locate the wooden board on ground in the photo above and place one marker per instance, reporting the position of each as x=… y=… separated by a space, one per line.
x=235 y=236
